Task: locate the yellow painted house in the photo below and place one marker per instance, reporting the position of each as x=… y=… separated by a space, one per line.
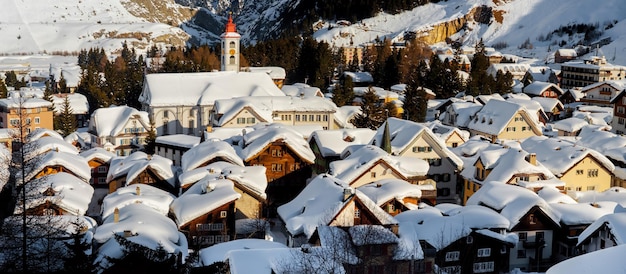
x=36 y=113
x=504 y=120
x=581 y=168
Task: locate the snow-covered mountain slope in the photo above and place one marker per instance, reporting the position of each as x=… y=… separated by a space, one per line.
x=28 y=27
x=508 y=23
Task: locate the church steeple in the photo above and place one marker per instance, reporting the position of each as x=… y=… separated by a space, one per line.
x=230 y=46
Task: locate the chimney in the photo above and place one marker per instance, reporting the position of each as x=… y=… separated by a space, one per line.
x=116 y=215
x=532 y=159
x=347 y=192
x=138 y=190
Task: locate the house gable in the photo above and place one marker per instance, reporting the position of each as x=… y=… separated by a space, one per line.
x=587 y=174
x=377 y=171
x=249 y=116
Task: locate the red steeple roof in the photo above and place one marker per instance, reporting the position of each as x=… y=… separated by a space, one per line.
x=230 y=26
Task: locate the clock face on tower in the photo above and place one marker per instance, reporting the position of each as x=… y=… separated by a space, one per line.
x=232 y=52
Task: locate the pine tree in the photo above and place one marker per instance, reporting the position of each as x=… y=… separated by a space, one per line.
x=371 y=115
x=150 y=140
x=79 y=259
x=65 y=121
x=344 y=94
x=3 y=89
x=479 y=81
x=62 y=84
x=415 y=103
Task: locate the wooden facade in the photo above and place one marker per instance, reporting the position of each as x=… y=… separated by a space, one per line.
x=211 y=228
x=475 y=253
x=534 y=250
x=99 y=171
x=148 y=177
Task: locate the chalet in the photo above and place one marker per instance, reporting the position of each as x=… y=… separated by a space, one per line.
x=533 y=107
x=575 y=218
x=277 y=74
x=327 y=145
x=506 y=165
x=344 y=115
x=57 y=194
x=140 y=168
x=565 y=55
x=605 y=232
x=359 y=79
x=53 y=162
x=286 y=156
x=618 y=123
x=369 y=163
x=412 y=140
x=551 y=107
x=579 y=167
x=329 y=201
x=81 y=140
x=504 y=120
x=249 y=181
x=452 y=136
x=462 y=60
x=543 y=89
x=99 y=160
x=571 y=96
x=287 y=110
x=119 y=129
x=459 y=114
x=601 y=93
x=376 y=247
x=484 y=98
x=609 y=144
x=175 y=146
x=302 y=90
x=205 y=213
x=207 y=152
x=470 y=237
x=530 y=217
x=394 y=195
x=136 y=224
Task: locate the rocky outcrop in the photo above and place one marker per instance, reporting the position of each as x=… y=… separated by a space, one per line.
x=439 y=32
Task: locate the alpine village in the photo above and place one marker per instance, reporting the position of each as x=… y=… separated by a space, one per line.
x=296 y=155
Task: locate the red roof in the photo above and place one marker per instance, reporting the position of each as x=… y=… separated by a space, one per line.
x=230 y=26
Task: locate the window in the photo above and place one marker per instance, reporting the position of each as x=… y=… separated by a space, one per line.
x=455 y=144
x=303 y=118
x=539 y=236
x=297 y=117
x=579 y=172
x=311 y=116
x=522 y=236
x=325 y=117
x=231 y=60
x=251 y=120
x=241 y=120
x=232 y=44
x=531 y=219
x=102 y=180
x=483 y=267
x=373 y=174
x=484 y=252
x=318 y=118
x=620 y=120
x=391 y=208
x=357 y=213
x=421 y=149
x=521 y=253
x=165 y=114
x=37 y=120
x=592 y=173
x=102 y=169
x=223 y=214
x=469 y=239
x=620 y=109
x=14 y=122
x=452 y=256
x=591 y=188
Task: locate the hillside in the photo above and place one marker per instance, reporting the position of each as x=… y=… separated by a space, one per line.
x=528 y=28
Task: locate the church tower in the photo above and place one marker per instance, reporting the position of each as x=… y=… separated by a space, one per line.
x=230 y=47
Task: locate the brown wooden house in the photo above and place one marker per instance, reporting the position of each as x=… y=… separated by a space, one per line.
x=57 y=194
x=215 y=223
x=481 y=251
x=286 y=157
x=99 y=161
x=140 y=168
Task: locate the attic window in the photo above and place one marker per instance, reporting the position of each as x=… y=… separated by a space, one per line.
x=490 y=121
x=223 y=214
x=483 y=120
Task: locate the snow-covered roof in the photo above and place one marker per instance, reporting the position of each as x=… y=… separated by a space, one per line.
x=505 y=163
x=548 y=104
x=512 y=202
x=616 y=222
x=131 y=166
x=266 y=106
x=43 y=132
x=371 y=234
x=203 y=88
x=613 y=194
x=559 y=156
x=69 y=161
x=359 y=76
x=403 y=134
x=361 y=160
x=252 y=178
x=384 y=190
x=47 y=143
x=618 y=85
x=254 y=142
x=284 y=260
x=444 y=131
x=97 y=153
x=12 y=102
x=567 y=52
x=607 y=261
x=78 y=103
x=217 y=253
x=608 y=143
x=380 y=92
x=274 y=72
x=202 y=198
x=319 y=202
x=540 y=73
x=464 y=111
x=537 y=87
x=209 y=150
x=112 y=120
x=571 y=124
x=302 y=90
x=150 y=196
x=513 y=68
x=332 y=142
x=145 y=227
x=495 y=116
x=584 y=213
x=68 y=192
x=178 y=140
x=344 y=115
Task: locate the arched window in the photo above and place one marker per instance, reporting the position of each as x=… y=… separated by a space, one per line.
x=231 y=60
x=232 y=44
